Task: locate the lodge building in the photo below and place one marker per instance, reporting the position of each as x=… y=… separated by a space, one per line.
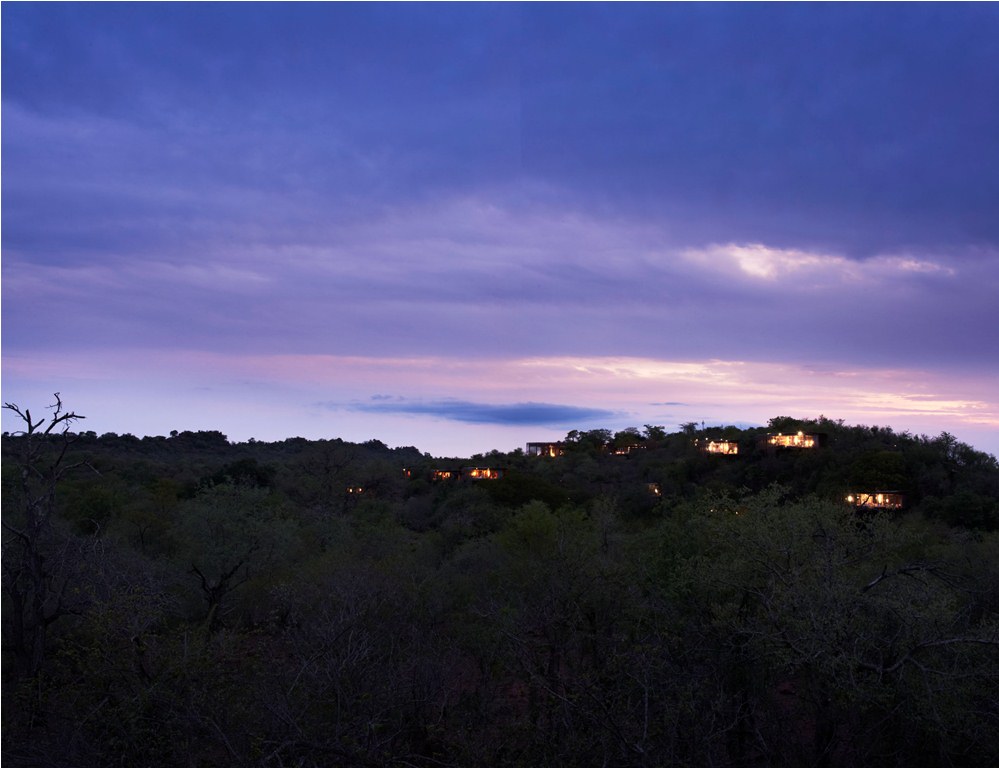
x=545 y=449
x=798 y=441
x=877 y=500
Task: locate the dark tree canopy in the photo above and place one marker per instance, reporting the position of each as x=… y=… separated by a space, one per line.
x=635 y=600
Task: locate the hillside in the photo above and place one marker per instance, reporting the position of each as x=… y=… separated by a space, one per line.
x=938 y=477
x=631 y=599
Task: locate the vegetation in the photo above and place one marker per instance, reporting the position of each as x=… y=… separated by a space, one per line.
x=635 y=601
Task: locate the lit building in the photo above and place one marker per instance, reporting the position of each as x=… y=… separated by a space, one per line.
x=469 y=473
x=877 y=500
x=545 y=449
x=722 y=447
x=482 y=473
x=799 y=440
x=627 y=449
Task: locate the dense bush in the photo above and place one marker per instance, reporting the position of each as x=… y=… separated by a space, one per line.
x=308 y=603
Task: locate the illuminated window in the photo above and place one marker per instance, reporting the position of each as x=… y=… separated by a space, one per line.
x=545 y=449
x=800 y=440
x=482 y=473
x=877 y=500
x=722 y=447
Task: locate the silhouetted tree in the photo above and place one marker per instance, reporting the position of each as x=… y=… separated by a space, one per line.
x=37 y=556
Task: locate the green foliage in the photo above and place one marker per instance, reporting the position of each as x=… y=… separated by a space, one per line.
x=518 y=488
x=849 y=616
x=531 y=533
x=965 y=508
x=246 y=472
x=883 y=470
x=591 y=441
x=228 y=535
x=655 y=433
x=93 y=506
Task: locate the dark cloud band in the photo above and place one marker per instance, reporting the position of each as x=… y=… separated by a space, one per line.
x=513 y=414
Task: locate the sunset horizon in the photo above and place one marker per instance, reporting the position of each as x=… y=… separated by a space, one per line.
x=464 y=227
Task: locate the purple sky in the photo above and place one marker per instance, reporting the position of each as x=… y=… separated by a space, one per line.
x=465 y=227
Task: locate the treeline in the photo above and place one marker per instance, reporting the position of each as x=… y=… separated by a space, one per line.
x=189 y=601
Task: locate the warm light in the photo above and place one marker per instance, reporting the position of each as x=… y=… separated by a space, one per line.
x=545 y=449
x=800 y=440
x=482 y=473
x=883 y=500
x=723 y=447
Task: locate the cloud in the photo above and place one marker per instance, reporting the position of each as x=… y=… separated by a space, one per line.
x=783 y=266
x=759 y=261
x=327 y=181
x=514 y=414
x=905 y=264
x=769 y=119
x=488 y=279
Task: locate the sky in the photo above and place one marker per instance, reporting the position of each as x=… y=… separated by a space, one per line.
x=465 y=227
